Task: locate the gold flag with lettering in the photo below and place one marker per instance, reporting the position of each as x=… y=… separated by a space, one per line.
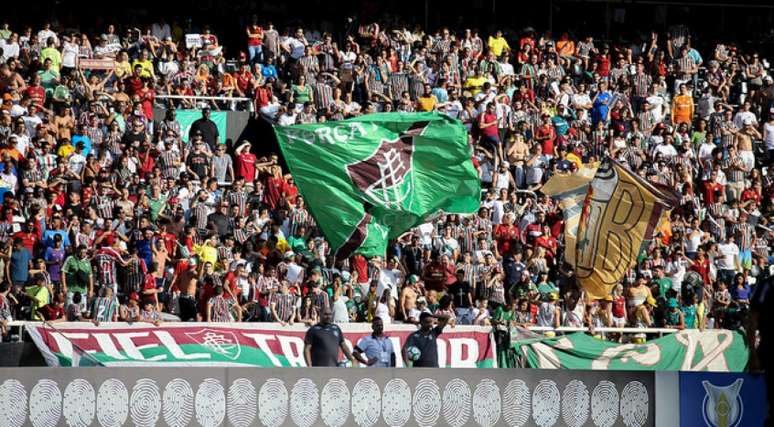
x=619 y=215
x=570 y=190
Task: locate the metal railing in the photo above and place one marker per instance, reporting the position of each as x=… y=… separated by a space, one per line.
x=562 y=329
x=660 y=331
x=204 y=98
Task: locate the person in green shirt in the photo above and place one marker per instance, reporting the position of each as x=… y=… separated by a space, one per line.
x=157 y=203
x=50 y=52
x=297 y=242
x=49 y=77
x=699 y=134
x=545 y=287
x=506 y=315
x=5 y=31
x=77 y=275
x=664 y=283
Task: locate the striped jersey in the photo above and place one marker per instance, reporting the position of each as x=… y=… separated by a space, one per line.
x=221 y=309
x=104 y=309
x=744 y=234
x=284 y=305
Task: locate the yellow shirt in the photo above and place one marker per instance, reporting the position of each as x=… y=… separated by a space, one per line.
x=427 y=103
x=147 y=67
x=65 y=151
x=497 y=45
x=474 y=84
x=282 y=245
x=52 y=54
x=123 y=69
x=575 y=159
x=39 y=296
x=207 y=253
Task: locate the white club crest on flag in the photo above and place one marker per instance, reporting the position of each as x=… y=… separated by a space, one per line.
x=386 y=176
x=224 y=343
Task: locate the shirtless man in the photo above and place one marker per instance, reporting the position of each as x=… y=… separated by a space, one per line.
x=517 y=154
x=186 y=283
x=408 y=297
x=744 y=143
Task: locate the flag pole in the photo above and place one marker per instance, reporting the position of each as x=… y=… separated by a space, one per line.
x=75 y=346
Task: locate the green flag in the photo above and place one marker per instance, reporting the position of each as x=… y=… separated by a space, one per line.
x=370 y=178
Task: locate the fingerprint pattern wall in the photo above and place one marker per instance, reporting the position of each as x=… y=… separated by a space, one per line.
x=333 y=397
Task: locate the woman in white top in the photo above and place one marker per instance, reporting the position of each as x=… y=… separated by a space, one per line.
x=768 y=135
x=70 y=51
x=694 y=239
x=385 y=309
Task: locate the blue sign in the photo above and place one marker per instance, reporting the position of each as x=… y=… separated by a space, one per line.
x=710 y=399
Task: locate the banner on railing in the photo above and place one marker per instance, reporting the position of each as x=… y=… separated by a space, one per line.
x=187 y=117
x=232 y=344
x=688 y=350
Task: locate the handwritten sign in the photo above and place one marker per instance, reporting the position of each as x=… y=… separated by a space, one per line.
x=193 y=40
x=97 y=64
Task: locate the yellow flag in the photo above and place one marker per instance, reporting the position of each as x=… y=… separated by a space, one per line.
x=620 y=213
x=570 y=190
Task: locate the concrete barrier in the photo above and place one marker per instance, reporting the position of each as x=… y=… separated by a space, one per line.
x=317 y=396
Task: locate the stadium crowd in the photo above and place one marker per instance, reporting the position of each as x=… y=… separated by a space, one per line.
x=107 y=214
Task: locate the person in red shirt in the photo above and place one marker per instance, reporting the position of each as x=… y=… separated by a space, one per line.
x=438 y=274
x=169 y=239
x=754 y=193
x=263 y=94
x=534 y=230
x=134 y=82
x=244 y=79
x=35 y=92
x=487 y=124
x=275 y=186
x=29 y=237
x=545 y=135
x=712 y=189
x=701 y=265
x=255 y=41
x=547 y=242
x=290 y=190
x=507 y=234
x=147 y=96
x=245 y=162
x=54 y=311
x=360 y=266
x=603 y=62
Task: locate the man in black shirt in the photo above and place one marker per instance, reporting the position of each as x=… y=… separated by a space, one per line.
x=462 y=296
x=323 y=341
x=208 y=129
x=413 y=257
x=198 y=161
x=425 y=340
x=220 y=222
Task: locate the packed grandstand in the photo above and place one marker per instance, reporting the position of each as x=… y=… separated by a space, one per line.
x=116 y=208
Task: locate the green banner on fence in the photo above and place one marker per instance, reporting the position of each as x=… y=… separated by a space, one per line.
x=187 y=117
x=688 y=350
